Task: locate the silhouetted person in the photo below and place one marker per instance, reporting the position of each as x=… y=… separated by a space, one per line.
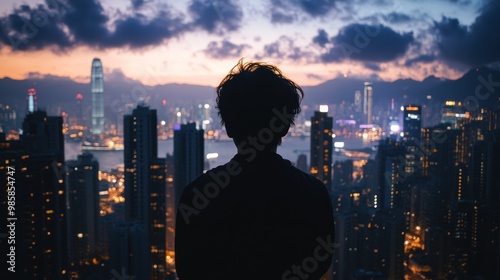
x=256 y=217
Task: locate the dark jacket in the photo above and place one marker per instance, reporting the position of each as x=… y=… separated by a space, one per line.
x=254 y=218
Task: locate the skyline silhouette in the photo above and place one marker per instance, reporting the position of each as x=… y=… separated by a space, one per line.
x=399 y=120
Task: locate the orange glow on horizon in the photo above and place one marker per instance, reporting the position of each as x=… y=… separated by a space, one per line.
x=164 y=65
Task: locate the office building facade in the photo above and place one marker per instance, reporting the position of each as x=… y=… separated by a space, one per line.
x=145 y=196
x=188 y=156
x=322 y=146
x=97 y=91
x=83 y=210
x=40 y=197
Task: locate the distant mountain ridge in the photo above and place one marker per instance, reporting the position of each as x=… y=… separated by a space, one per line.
x=340 y=89
x=121 y=91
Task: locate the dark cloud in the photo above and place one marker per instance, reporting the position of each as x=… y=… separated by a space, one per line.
x=74 y=22
x=286 y=11
x=375 y=43
x=316 y=7
x=29 y=28
x=475 y=45
x=87 y=21
x=424 y=58
x=284 y=48
x=460 y=2
x=216 y=16
x=315 y=76
x=137 y=3
x=137 y=32
x=278 y=16
x=281 y=13
x=278 y=49
x=396 y=17
x=225 y=49
x=322 y=38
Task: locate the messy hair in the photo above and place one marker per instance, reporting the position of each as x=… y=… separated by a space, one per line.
x=250 y=96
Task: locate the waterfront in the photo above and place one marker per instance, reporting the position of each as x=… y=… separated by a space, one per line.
x=290 y=149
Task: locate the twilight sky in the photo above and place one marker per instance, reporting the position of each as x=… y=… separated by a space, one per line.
x=198 y=41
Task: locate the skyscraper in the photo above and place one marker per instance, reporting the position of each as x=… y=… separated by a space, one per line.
x=453 y=112
x=40 y=210
x=322 y=146
x=42 y=134
x=145 y=185
x=412 y=124
x=8 y=118
x=459 y=218
x=31 y=103
x=128 y=251
x=368 y=102
x=170 y=223
x=342 y=173
x=188 y=156
x=463 y=222
x=370 y=243
x=97 y=89
x=140 y=149
x=79 y=109
x=390 y=179
x=83 y=210
x=358 y=104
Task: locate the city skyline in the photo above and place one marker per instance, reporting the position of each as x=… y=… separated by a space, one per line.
x=400 y=121
x=409 y=212
x=383 y=40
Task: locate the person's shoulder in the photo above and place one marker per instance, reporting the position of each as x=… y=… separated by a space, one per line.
x=294 y=172
x=230 y=168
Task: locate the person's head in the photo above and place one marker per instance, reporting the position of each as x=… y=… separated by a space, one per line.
x=256 y=100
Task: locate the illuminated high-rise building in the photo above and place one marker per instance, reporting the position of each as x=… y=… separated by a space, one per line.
x=97 y=90
x=8 y=118
x=83 y=210
x=412 y=124
x=463 y=240
x=31 y=103
x=145 y=195
x=389 y=176
x=370 y=240
x=342 y=173
x=170 y=223
x=453 y=112
x=140 y=149
x=393 y=124
x=37 y=162
x=368 y=102
x=79 y=109
x=322 y=146
x=188 y=156
x=358 y=102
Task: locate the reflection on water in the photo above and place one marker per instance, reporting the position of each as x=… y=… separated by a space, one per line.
x=290 y=149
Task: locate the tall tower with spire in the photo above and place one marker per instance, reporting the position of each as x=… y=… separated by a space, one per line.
x=31 y=103
x=97 y=89
x=368 y=102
